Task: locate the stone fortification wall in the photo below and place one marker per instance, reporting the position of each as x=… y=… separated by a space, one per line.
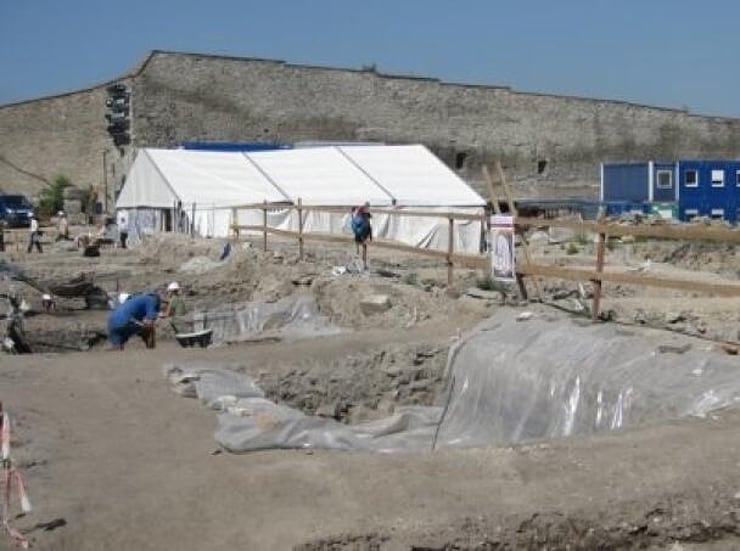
x=546 y=142
x=44 y=138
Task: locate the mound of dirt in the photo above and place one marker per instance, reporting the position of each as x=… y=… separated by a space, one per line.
x=721 y=258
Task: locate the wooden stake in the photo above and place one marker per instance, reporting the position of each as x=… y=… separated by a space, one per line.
x=600 y=252
x=488 y=272
x=513 y=212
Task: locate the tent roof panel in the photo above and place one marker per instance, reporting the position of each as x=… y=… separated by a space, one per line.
x=319 y=176
x=413 y=175
x=336 y=175
x=214 y=178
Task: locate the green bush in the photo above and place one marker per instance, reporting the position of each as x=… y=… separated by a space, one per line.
x=572 y=248
x=51 y=199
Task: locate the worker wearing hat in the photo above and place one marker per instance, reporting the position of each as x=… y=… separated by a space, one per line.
x=175 y=303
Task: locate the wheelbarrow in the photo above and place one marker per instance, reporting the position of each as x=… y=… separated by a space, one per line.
x=201 y=338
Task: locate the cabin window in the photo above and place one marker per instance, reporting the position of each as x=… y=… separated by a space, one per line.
x=717 y=214
x=737 y=178
x=690 y=214
x=691 y=178
x=665 y=179
x=718 y=178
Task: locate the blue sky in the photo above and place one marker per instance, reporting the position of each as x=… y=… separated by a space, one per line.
x=673 y=53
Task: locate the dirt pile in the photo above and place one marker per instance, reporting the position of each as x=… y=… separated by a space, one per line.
x=250 y=274
x=719 y=258
x=695 y=519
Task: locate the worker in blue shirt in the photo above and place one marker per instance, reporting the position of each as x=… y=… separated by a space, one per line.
x=135 y=316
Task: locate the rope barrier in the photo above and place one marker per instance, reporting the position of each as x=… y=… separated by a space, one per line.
x=11 y=476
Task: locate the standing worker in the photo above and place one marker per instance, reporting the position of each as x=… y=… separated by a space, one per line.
x=361 y=227
x=62 y=226
x=35 y=235
x=122 y=221
x=135 y=316
x=175 y=304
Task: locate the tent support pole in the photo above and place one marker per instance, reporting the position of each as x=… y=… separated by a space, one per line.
x=192 y=221
x=300 y=229
x=264 y=227
x=450 y=250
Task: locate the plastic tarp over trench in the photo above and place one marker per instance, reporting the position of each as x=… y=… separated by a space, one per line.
x=208 y=184
x=507 y=382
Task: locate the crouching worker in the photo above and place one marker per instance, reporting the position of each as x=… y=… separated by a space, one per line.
x=135 y=316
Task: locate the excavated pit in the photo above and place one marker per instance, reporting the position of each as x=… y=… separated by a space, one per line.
x=362 y=386
x=516 y=377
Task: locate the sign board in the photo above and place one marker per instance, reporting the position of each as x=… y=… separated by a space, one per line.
x=503 y=255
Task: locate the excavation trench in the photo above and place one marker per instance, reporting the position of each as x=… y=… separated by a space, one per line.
x=506 y=381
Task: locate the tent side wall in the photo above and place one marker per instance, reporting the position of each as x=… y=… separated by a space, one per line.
x=420 y=232
x=145 y=186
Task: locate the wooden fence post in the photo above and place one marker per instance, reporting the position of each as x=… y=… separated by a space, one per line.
x=264 y=227
x=600 y=252
x=300 y=229
x=450 y=250
x=235 y=223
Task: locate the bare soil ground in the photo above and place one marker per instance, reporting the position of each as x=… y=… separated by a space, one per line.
x=114 y=460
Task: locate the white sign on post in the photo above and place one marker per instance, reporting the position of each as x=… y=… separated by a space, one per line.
x=503 y=255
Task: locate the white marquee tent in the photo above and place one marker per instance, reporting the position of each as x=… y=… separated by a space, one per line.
x=171 y=190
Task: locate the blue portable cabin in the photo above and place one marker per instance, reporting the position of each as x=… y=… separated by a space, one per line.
x=709 y=188
x=692 y=188
x=634 y=186
x=638 y=182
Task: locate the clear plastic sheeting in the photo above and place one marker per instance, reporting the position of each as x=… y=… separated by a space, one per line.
x=292 y=317
x=550 y=377
x=211 y=386
x=249 y=422
x=257 y=424
x=508 y=381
